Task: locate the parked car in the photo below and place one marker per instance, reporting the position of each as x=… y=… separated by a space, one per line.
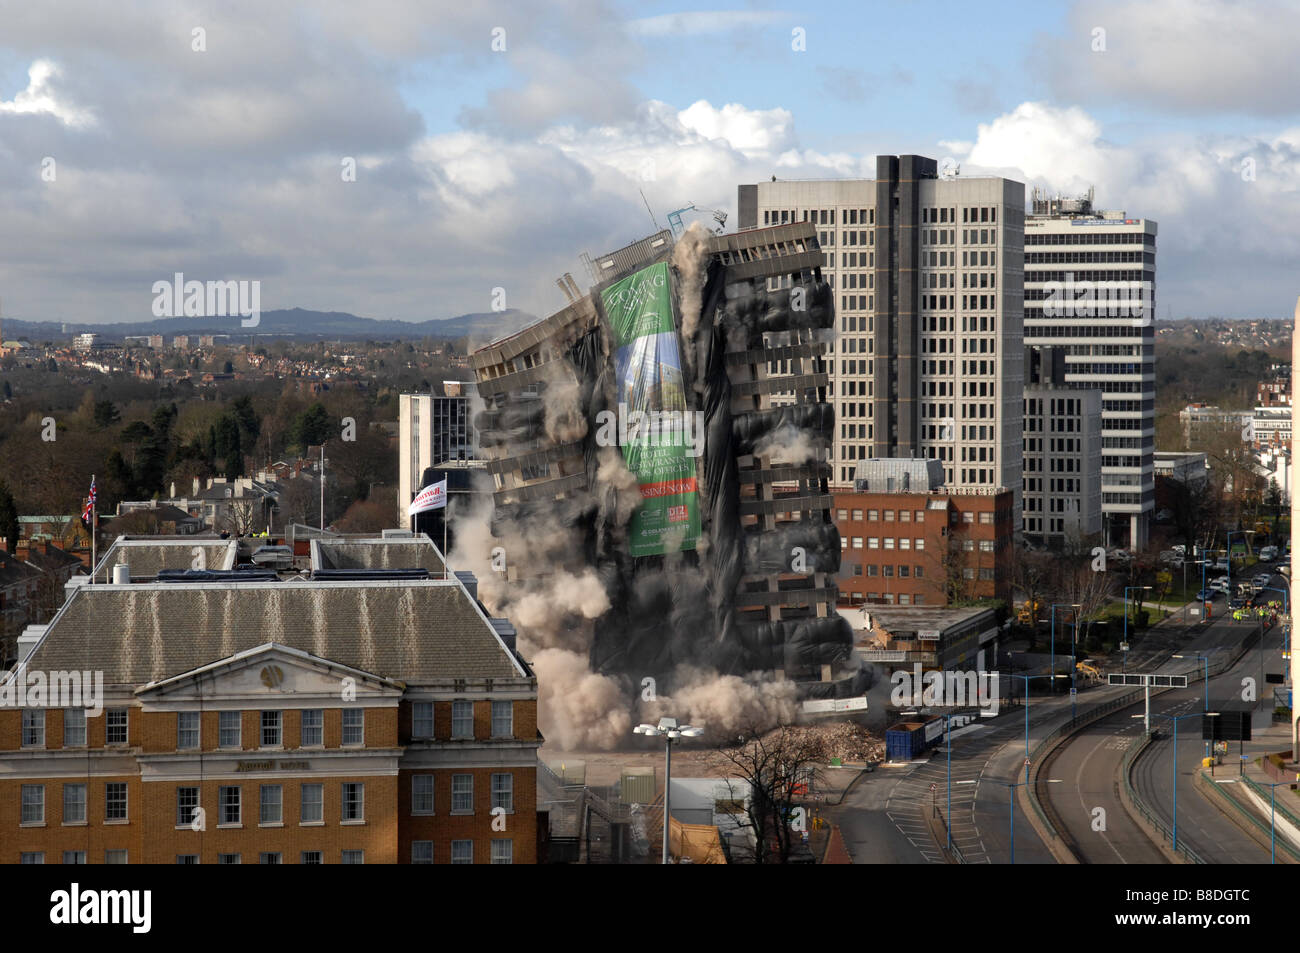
x=1268 y=553
x=1206 y=595
x=1237 y=602
x=1262 y=579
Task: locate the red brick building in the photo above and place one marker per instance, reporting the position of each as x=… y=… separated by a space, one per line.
x=363 y=719
x=930 y=548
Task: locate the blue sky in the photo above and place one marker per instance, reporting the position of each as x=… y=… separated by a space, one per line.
x=486 y=168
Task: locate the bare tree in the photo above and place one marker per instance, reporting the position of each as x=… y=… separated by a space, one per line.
x=1091 y=590
x=241 y=516
x=299 y=500
x=778 y=768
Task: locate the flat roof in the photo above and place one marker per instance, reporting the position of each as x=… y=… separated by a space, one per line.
x=915 y=618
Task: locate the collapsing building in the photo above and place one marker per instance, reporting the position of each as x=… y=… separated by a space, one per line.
x=658 y=451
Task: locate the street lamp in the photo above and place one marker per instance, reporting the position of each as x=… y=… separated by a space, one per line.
x=1272 y=811
x=1286 y=597
x=947 y=744
x=1011 y=799
x=1054 y=605
x=1176 y=719
x=1206 y=660
x=1286 y=611
x=670 y=731
x=1228 y=539
x=1074 y=658
x=1202 y=562
x=1286 y=629
x=1025 y=705
x=1127 y=590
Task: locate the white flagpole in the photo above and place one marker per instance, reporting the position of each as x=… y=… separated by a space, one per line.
x=93 y=518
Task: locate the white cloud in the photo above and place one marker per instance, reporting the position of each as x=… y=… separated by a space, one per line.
x=1195 y=56
x=749 y=130
x=1049 y=142
x=1216 y=223
x=703 y=22
x=40 y=98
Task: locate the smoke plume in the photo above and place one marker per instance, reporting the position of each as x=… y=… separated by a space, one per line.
x=790 y=446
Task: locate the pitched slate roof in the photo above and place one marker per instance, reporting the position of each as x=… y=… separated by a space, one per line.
x=15 y=571
x=146 y=556
x=412 y=631
x=416 y=553
x=53 y=561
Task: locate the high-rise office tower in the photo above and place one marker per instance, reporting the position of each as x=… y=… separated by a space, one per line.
x=927 y=274
x=1062 y=453
x=1090 y=289
x=433 y=428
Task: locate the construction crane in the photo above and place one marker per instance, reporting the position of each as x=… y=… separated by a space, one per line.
x=675 y=219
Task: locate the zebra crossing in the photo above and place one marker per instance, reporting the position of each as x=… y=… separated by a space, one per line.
x=924 y=788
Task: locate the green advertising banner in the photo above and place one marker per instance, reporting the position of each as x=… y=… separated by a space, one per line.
x=654 y=422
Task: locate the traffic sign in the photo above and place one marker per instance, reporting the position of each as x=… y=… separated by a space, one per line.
x=1155 y=681
x=1026 y=762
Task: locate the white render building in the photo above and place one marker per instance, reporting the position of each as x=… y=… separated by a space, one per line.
x=433 y=429
x=1089 y=286
x=927 y=274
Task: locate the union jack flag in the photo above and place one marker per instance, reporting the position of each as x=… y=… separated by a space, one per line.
x=87 y=510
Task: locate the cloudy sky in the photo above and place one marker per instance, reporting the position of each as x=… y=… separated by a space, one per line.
x=494 y=140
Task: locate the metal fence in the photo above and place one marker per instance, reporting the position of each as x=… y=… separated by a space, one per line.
x=1165 y=834
x=1249 y=815
x=1098 y=711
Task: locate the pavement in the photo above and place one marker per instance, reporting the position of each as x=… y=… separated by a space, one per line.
x=1202 y=825
x=1089 y=762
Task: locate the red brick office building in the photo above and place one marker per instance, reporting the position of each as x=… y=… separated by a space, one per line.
x=365 y=719
x=925 y=548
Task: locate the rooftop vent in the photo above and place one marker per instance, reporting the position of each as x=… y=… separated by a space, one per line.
x=217 y=575
x=27 y=641
x=359 y=575
x=506 y=630
x=469 y=581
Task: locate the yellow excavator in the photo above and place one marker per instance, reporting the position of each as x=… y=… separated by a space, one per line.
x=1029 y=612
x=1088 y=668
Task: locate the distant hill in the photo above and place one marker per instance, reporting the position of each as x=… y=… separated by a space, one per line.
x=293 y=322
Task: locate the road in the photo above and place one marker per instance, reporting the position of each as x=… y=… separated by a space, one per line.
x=1201 y=825
x=1088 y=764
x=883 y=817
